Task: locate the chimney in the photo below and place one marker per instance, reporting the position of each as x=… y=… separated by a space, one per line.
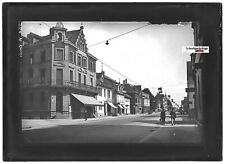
x=51 y=31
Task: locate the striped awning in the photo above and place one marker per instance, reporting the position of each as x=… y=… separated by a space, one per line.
x=87 y=100
x=111 y=104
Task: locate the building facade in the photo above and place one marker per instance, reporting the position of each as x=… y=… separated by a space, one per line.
x=119 y=99
x=54 y=67
x=159 y=102
x=136 y=97
x=127 y=99
x=145 y=103
x=190 y=90
x=106 y=88
x=152 y=100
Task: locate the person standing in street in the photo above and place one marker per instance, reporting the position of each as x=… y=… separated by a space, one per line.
x=173 y=116
x=85 y=114
x=163 y=116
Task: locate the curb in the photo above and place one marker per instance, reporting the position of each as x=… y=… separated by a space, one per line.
x=57 y=122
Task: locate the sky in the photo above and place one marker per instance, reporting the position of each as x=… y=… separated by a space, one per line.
x=151 y=56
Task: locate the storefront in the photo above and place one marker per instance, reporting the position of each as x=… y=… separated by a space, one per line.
x=83 y=105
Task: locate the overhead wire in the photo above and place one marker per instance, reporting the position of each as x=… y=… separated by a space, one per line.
x=119 y=35
x=115 y=38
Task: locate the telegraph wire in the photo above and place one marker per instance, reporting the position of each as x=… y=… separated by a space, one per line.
x=116 y=71
x=107 y=40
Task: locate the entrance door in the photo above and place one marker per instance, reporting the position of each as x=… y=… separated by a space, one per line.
x=59 y=76
x=59 y=102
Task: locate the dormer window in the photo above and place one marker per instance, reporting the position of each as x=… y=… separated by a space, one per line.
x=59 y=36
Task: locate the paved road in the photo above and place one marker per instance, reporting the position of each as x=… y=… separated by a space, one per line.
x=129 y=129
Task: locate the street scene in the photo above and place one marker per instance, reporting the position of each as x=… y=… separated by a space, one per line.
x=79 y=88
x=123 y=129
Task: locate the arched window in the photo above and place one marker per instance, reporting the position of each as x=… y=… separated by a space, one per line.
x=60 y=36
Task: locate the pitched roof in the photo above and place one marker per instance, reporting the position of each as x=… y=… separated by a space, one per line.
x=72 y=35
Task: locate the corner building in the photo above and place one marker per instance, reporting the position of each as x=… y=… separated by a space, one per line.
x=53 y=69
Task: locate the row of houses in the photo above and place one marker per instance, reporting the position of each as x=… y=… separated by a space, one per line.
x=58 y=79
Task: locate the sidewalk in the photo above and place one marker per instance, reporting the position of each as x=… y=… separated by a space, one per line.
x=185 y=131
x=29 y=124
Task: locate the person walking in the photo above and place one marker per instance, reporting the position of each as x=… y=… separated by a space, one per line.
x=163 y=116
x=173 y=116
x=85 y=114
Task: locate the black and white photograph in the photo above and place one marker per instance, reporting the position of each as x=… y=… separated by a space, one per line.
x=132 y=87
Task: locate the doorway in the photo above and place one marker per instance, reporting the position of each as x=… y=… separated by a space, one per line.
x=59 y=102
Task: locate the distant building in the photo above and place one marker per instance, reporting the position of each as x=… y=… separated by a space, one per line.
x=190 y=90
x=136 y=97
x=159 y=101
x=152 y=100
x=127 y=100
x=55 y=70
x=145 y=103
x=106 y=88
x=120 y=99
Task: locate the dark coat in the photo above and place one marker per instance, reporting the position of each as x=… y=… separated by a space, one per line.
x=173 y=114
x=163 y=114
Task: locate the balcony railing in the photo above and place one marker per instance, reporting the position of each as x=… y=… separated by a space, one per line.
x=72 y=84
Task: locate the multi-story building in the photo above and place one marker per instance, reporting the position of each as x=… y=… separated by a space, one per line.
x=106 y=88
x=127 y=99
x=56 y=69
x=152 y=100
x=190 y=90
x=136 y=96
x=145 y=103
x=159 y=101
x=119 y=99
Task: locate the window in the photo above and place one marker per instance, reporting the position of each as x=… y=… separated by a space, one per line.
x=74 y=58
x=71 y=76
x=79 y=60
x=79 y=78
x=30 y=75
x=43 y=56
x=42 y=75
x=59 y=36
x=136 y=100
x=104 y=92
x=71 y=57
x=108 y=93
x=59 y=54
x=84 y=79
x=84 y=62
x=59 y=76
x=31 y=59
x=91 y=66
x=91 y=81
x=100 y=91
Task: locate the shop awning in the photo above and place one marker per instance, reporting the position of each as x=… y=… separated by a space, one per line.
x=111 y=104
x=124 y=106
x=87 y=100
x=120 y=106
